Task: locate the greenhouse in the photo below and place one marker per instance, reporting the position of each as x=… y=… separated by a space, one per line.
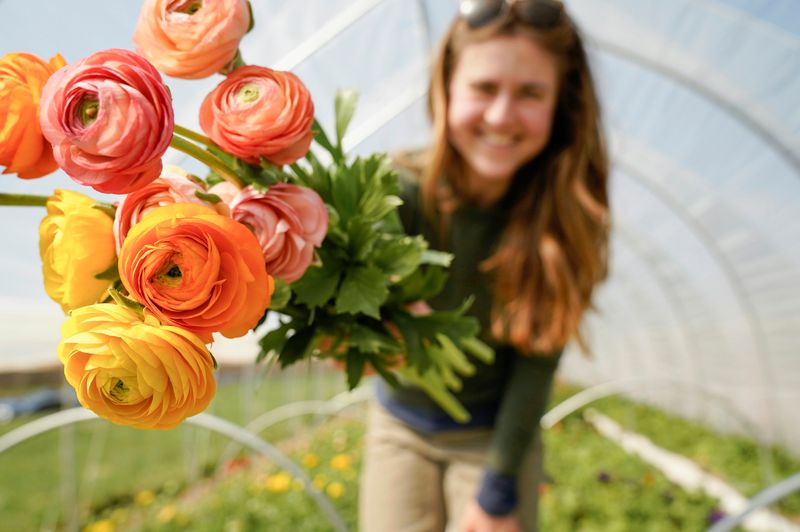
x=681 y=415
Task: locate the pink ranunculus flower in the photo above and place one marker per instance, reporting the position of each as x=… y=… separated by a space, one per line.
x=226 y=191
x=308 y=206
x=191 y=39
x=175 y=185
x=109 y=118
x=288 y=221
x=258 y=112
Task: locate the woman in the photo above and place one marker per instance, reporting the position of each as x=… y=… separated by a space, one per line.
x=515 y=186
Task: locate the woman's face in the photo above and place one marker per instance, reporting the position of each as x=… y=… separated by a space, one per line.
x=502 y=98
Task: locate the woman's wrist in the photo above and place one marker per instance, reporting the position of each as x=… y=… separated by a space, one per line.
x=497 y=495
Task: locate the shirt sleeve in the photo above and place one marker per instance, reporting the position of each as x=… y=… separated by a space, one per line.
x=409 y=212
x=523 y=405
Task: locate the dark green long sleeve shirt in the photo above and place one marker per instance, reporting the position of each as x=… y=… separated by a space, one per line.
x=511 y=394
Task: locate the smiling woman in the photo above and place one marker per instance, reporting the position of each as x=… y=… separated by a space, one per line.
x=502 y=101
x=514 y=185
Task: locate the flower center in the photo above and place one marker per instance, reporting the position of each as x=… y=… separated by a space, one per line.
x=119 y=391
x=188 y=7
x=87 y=111
x=170 y=275
x=248 y=93
x=193 y=8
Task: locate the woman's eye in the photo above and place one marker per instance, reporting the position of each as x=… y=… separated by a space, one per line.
x=485 y=89
x=534 y=93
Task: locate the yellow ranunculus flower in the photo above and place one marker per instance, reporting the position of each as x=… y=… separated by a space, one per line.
x=135 y=371
x=76 y=242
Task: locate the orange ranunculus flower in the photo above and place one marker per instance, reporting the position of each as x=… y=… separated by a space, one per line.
x=23 y=149
x=191 y=39
x=258 y=112
x=132 y=370
x=196 y=269
x=76 y=242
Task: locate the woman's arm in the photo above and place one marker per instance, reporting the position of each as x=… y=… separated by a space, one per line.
x=517 y=424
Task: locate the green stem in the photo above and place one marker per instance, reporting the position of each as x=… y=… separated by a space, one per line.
x=23 y=200
x=209 y=159
x=126 y=302
x=195 y=136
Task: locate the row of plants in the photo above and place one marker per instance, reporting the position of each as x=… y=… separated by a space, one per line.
x=592 y=486
x=148 y=481
x=737 y=459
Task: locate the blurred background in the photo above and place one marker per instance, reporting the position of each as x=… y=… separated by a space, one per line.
x=696 y=336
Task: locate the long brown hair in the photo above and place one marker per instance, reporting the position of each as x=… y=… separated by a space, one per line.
x=553 y=251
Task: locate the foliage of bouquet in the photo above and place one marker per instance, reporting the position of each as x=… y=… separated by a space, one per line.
x=146 y=282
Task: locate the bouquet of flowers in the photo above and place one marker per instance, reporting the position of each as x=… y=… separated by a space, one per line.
x=147 y=281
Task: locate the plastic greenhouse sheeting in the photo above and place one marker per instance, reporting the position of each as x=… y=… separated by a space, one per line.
x=702 y=110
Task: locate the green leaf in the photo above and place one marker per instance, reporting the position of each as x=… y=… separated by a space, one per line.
x=361 y=239
x=346 y=193
x=447 y=354
x=344 y=107
x=354 y=360
x=437 y=258
x=274 y=340
x=248 y=173
x=375 y=204
x=205 y=196
x=107 y=208
x=316 y=177
x=212 y=178
x=252 y=23
x=322 y=139
x=281 y=295
x=317 y=285
x=453 y=323
x=423 y=284
x=125 y=301
x=389 y=204
x=478 y=349
x=368 y=340
x=399 y=256
x=109 y=274
x=363 y=290
x=297 y=347
x=412 y=340
x=434 y=386
x=382 y=367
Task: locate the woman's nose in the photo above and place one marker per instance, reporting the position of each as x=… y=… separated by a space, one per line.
x=500 y=110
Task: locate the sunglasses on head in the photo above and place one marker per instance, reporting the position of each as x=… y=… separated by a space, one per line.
x=536 y=13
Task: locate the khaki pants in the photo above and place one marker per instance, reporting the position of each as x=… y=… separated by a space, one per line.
x=416 y=482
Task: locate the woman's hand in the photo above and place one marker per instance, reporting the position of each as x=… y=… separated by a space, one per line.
x=476 y=520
